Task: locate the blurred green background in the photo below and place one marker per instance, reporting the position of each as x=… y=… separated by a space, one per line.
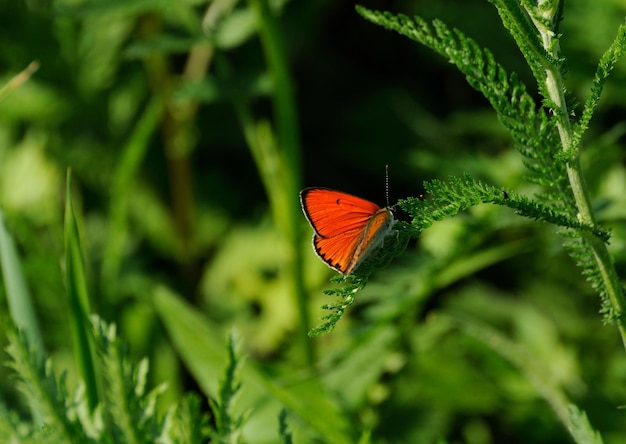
x=148 y=102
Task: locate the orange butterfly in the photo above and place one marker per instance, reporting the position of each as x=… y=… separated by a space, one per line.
x=347 y=228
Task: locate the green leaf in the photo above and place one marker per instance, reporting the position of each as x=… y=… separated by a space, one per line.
x=283 y=428
x=580 y=428
x=130 y=411
x=186 y=423
x=45 y=394
x=227 y=423
x=534 y=370
x=522 y=26
x=446 y=199
x=18 y=296
x=534 y=133
x=201 y=348
x=125 y=173
x=78 y=300
x=605 y=66
x=394 y=245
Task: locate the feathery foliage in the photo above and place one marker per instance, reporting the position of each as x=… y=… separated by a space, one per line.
x=580 y=429
x=393 y=245
x=542 y=377
x=127 y=407
x=580 y=251
x=549 y=144
x=47 y=396
x=185 y=232
x=447 y=199
x=458 y=194
x=605 y=66
x=533 y=132
x=345 y=295
x=186 y=422
x=128 y=412
x=228 y=427
x=283 y=429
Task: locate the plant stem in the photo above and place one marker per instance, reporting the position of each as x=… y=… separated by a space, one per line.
x=19 y=79
x=555 y=87
x=177 y=126
x=287 y=131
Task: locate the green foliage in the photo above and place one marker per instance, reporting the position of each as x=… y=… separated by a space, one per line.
x=458 y=194
x=190 y=127
x=47 y=396
x=580 y=428
x=197 y=341
x=283 y=429
x=130 y=410
x=78 y=301
x=346 y=295
x=534 y=133
x=546 y=383
x=127 y=414
x=537 y=137
x=393 y=245
x=18 y=296
x=523 y=20
x=228 y=427
x=580 y=252
x=186 y=422
x=605 y=66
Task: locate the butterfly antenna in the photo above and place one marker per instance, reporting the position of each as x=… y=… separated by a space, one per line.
x=387 y=184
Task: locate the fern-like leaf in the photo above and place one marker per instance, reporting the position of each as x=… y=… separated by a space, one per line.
x=345 y=296
x=186 y=423
x=393 y=245
x=228 y=427
x=534 y=133
x=580 y=251
x=447 y=199
x=283 y=428
x=129 y=414
x=521 y=22
x=605 y=66
x=130 y=411
x=580 y=429
x=46 y=395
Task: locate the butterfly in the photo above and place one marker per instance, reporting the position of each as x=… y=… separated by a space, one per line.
x=347 y=228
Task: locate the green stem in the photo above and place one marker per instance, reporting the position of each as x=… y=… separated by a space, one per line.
x=177 y=126
x=286 y=121
x=555 y=87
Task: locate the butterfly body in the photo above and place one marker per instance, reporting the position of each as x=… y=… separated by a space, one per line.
x=347 y=228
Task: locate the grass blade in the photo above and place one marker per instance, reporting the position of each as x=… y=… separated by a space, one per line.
x=78 y=300
x=18 y=296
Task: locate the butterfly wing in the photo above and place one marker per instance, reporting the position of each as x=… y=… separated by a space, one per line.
x=346 y=251
x=338 y=251
x=346 y=227
x=332 y=213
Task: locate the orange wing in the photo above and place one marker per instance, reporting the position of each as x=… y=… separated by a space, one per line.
x=332 y=213
x=346 y=227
